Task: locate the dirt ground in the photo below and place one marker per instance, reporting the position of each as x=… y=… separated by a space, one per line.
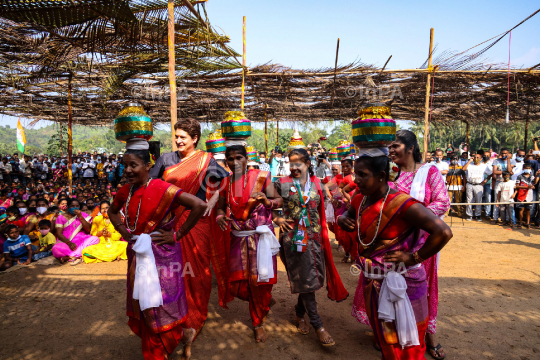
x=489 y=283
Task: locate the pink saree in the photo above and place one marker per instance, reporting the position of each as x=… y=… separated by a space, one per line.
x=73 y=230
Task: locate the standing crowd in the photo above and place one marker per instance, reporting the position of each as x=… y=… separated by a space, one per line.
x=507 y=184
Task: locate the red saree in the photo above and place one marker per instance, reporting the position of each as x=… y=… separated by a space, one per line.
x=203 y=244
x=159 y=328
x=248 y=214
x=403 y=237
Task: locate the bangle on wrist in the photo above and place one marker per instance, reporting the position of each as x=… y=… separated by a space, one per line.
x=179 y=234
x=417 y=258
x=219 y=216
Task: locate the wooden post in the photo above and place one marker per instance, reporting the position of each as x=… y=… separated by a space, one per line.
x=428 y=88
x=61 y=138
x=335 y=73
x=266 y=128
x=70 y=140
x=172 y=71
x=468 y=145
x=243 y=60
x=277 y=133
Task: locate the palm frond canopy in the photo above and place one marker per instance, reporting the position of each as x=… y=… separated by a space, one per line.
x=115 y=58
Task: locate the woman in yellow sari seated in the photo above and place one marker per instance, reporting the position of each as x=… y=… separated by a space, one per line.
x=110 y=247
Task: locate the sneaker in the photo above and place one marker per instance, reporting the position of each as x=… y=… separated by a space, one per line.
x=469 y=218
x=479 y=218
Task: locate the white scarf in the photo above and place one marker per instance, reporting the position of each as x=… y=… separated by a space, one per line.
x=395 y=306
x=267 y=248
x=418 y=186
x=146 y=287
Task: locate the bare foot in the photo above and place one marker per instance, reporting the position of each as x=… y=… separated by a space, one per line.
x=260 y=334
x=345 y=259
x=189 y=335
x=64 y=259
x=303 y=327
x=435 y=349
x=340 y=248
x=325 y=338
x=272 y=302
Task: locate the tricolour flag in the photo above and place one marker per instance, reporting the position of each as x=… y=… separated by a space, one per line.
x=21 y=139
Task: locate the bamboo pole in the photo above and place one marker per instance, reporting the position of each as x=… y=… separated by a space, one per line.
x=428 y=88
x=61 y=139
x=70 y=141
x=266 y=128
x=335 y=73
x=468 y=144
x=277 y=133
x=363 y=72
x=172 y=71
x=243 y=60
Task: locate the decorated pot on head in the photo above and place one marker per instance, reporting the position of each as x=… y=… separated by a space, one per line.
x=374 y=127
x=236 y=128
x=333 y=155
x=251 y=153
x=133 y=122
x=344 y=148
x=296 y=141
x=215 y=143
x=253 y=161
x=353 y=150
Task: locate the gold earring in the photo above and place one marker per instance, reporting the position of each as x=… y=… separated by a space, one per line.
x=380 y=179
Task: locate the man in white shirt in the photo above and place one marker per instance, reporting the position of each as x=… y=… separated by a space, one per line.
x=518 y=167
x=88 y=169
x=440 y=164
x=476 y=180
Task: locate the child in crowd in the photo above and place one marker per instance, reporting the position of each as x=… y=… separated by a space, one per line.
x=46 y=240
x=14 y=218
x=505 y=193
x=17 y=248
x=525 y=184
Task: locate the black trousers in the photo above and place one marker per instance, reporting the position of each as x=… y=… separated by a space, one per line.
x=307 y=303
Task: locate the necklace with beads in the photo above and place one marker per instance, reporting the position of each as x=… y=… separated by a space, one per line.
x=138 y=208
x=359 y=219
x=231 y=195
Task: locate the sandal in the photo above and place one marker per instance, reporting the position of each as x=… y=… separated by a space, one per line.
x=76 y=262
x=436 y=349
x=331 y=342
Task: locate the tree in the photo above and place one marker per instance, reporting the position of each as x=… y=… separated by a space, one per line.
x=58 y=144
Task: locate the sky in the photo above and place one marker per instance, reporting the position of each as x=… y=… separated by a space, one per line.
x=302 y=34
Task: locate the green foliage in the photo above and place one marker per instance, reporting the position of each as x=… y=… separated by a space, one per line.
x=58 y=143
x=481 y=136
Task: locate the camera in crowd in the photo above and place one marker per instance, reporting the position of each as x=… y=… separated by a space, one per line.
x=322 y=156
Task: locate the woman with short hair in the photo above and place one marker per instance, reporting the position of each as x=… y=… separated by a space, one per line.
x=305 y=247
